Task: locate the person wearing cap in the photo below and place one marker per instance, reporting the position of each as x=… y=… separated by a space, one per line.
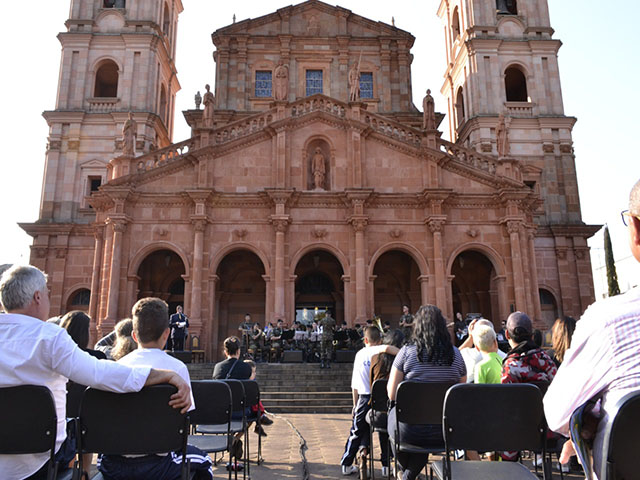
x=525 y=362
x=602 y=361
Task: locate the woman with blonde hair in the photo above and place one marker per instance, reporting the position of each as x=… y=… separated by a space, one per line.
x=561 y=334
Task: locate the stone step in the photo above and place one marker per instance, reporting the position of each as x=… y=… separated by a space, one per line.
x=324 y=396
x=309 y=409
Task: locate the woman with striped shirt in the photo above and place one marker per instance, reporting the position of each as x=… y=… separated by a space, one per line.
x=429 y=357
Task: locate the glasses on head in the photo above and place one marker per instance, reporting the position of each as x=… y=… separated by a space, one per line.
x=627 y=214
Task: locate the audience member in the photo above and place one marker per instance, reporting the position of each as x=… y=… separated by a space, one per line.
x=380 y=368
x=76 y=323
x=259 y=408
x=232 y=366
x=602 y=361
x=430 y=357
x=124 y=343
x=37 y=353
x=561 y=334
x=470 y=354
x=489 y=369
x=150 y=331
x=358 y=441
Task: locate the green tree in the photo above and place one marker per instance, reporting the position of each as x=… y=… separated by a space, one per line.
x=612 y=276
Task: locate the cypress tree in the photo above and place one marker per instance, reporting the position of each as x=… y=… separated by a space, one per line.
x=612 y=276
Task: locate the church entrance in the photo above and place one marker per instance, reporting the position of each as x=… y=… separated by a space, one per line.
x=395 y=284
x=473 y=286
x=319 y=287
x=241 y=289
x=160 y=275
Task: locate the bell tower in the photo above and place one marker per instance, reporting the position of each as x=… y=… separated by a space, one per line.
x=118 y=56
x=502 y=81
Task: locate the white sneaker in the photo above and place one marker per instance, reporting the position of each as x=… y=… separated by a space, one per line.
x=385 y=471
x=349 y=469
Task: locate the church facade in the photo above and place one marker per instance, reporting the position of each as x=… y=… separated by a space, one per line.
x=311 y=181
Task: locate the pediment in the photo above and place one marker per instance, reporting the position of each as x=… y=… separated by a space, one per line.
x=312 y=19
x=93 y=163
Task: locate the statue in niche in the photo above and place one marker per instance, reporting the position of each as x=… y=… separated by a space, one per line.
x=281 y=84
x=502 y=137
x=354 y=82
x=318 y=168
x=313 y=26
x=198 y=99
x=429 y=112
x=129 y=133
x=207 y=114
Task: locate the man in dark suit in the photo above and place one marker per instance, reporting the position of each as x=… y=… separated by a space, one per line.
x=179 y=324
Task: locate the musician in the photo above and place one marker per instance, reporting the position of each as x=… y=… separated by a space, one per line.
x=276 y=340
x=256 y=341
x=406 y=323
x=327 y=326
x=244 y=328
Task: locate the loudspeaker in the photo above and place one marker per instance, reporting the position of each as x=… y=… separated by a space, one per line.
x=292 y=356
x=345 y=356
x=182 y=355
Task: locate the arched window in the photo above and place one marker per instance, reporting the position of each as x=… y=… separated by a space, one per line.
x=460 y=112
x=455 y=24
x=79 y=300
x=507 y=7
x=166 y=20
x=515 y=85
x=106 y=80
x=163 y=104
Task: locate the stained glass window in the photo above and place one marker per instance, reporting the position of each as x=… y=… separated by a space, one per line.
x=314 y=82
x=263 y=84
x=366 y=85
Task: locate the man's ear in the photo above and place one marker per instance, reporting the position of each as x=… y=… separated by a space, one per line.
x=506 y=334
x=134 y=336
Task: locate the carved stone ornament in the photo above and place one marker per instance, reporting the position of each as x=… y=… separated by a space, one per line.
x=41 y=252
x=513 y=226
x=54 y=145
x=319 y=232
x=98 y=233
x=485 y=147
x=395 y=233
x=119 y=226
x=199 y=225
x=359 y=224
x=73 y=145
x=561 y=253
x=435 y=225
x=281 y=225
x=160 y=231
x=547 y=147
x=472 y=232
x=579 y=254
x=566 y=148
x=61 y=252
x=240 y=232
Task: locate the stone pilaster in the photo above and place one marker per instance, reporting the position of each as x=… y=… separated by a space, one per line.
x=513 y=228
x=119 y=226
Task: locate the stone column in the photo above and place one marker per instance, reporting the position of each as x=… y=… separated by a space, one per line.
x=533 y=271
x=119 y=227
x=435 y=225
x=346 y=285
x=195 y=312
x=359 y=225
x=513 y=227
x=424 y=289
x=281 y=225
x=524 y=242
x=211 y=343
x=95 y=279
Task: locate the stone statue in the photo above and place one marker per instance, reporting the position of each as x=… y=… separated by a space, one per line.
x=428 y=112
x=502 y=6
x=502 y=137
x=198 y=99
x=318 y=169
x=207 y=115
x=354 y=82
x=281 y=84
x=129 y=133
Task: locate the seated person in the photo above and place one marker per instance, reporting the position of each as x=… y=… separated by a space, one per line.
x=264 y=420
x=151 y=330
x=471 y=355
x=232 y=367
x=124 y=343
x=76 y=323
x=489 y=369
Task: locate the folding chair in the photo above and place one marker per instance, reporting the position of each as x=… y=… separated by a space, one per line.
x=418 y=403
x=131 y=423
x=213 y=407
x=618 y=458
x=238 y=425
x=492 y=418
x=252 y=398
x=554 y=444
x=379 y=402
x=29 y=423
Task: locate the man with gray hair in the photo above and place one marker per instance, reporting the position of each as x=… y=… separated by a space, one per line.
x=603 y=361
x=35 y=352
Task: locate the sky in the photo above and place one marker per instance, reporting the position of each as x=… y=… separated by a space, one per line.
x=598 y=69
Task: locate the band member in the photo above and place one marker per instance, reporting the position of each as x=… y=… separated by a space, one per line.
x=256 y=341
x=178 y=322
x=406 y=323
x=244 y=328
x=276 y=341
x=327 y=325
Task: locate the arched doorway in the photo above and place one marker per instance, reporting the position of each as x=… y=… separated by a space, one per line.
x=473 y=286
x=396 y=284
x=549 y=307
x=319 y=286
x=241 y=289
x=160 y=275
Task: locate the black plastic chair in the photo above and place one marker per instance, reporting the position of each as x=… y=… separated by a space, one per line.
x=555 y=443
x=618 y=458
x=379 y=403
x=29 y=423
x=131 y=423
x=75 y=391
x=492 y=418
x=419 y=403
x=237 y=425
x=213 y=407
x=252 y=399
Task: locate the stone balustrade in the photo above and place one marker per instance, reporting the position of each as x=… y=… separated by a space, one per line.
x=469 y=157
x=103 y=105
x=159 y=157
x=244 y=127
x=323 y=104
x=393 y=129
x=519 y=109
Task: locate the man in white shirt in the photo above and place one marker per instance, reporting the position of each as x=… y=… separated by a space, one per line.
x=39 y=353
x=603 y=360
x=150 y=331
x=358 y=441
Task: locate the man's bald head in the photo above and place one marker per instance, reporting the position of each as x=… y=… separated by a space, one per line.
x=634 y=199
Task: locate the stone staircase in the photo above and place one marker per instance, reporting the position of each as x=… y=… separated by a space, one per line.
x=297 y=387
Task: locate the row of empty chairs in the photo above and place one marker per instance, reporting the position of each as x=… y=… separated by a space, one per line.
x=130 y=423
